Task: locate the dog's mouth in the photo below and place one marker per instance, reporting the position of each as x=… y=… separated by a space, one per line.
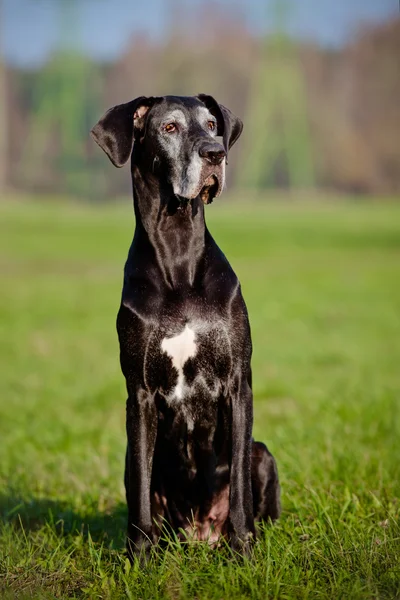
x=207 y=187
x=211 y=188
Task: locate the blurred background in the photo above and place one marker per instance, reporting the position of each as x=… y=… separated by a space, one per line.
x=317 y=84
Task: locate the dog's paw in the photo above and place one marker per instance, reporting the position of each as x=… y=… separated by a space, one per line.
x=139 y=550
x=242 y=545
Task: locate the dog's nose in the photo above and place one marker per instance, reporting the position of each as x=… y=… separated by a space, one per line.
x=213 y=153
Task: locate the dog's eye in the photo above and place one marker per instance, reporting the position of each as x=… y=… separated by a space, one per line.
x=170 y=128
x=211 y=125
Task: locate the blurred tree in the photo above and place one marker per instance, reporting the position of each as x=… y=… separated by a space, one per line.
x=66 y=95
x=3 y=112
x=353 y=96
x=279 y=150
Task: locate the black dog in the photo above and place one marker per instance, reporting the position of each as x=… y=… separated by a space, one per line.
x=184 y=333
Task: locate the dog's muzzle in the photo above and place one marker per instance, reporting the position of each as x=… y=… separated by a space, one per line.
x=213 y=171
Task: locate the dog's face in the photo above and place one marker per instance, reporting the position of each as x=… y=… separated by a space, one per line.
x=182 y=136
x=176 y=137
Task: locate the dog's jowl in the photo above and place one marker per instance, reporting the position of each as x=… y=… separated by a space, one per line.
x=191 y=463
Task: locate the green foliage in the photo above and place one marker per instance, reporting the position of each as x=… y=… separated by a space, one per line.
x=282 y=155
x=64 y=106
x=323 y=290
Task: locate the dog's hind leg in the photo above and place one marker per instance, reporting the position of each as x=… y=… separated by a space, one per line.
x=265 y=484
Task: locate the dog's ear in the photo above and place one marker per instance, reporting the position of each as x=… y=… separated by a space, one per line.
x=228 y=125
x=120 y=126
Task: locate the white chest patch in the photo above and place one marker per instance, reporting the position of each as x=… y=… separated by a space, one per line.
x=179 y=349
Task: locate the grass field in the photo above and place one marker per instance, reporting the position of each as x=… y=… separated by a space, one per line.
x=322 y=284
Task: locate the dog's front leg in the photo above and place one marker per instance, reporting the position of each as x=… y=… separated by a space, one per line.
x=241 y=518
x=141 y=426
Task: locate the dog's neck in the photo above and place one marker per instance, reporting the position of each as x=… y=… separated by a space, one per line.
x=174 y=228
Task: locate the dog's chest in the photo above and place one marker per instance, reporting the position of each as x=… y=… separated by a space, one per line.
x=179 y=349
x=190 y=362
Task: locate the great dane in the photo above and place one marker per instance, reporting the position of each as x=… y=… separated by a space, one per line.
x=184 y=334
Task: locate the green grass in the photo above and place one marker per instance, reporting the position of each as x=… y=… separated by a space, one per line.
x=322 y=284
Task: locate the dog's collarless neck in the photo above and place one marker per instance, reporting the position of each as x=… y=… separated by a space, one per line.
x=175 y=228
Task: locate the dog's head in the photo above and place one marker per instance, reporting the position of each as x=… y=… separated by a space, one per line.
x=174 y=136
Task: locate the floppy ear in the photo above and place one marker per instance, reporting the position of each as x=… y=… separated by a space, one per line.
x=117 y=129
x=228 y=125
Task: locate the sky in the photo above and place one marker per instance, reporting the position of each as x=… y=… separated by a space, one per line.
x=31 y=29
